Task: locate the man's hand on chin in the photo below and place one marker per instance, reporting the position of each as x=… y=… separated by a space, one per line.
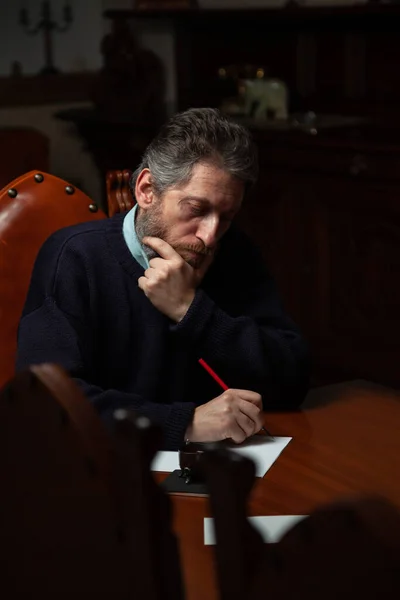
x=170 y=282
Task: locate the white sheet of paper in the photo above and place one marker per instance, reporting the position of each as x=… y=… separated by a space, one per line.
x=165 y=461
x=262 y=449
x=272 y=529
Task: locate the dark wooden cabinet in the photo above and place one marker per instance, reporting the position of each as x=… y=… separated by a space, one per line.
x=326 y=210
x=327 y=217
x=359 y=249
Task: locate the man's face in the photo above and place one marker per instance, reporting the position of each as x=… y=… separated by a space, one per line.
x=192 y=218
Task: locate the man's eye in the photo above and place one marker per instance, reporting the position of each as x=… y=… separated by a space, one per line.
x=196 y=210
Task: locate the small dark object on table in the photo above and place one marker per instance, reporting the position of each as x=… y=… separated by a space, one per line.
x=190 y=459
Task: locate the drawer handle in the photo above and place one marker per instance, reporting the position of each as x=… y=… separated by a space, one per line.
x=358 y=165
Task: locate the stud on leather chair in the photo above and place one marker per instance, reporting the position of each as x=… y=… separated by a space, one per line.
x=32 y=207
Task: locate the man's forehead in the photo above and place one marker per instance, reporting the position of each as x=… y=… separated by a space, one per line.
x=203 y=182
x=211 y=173
x=209 y=184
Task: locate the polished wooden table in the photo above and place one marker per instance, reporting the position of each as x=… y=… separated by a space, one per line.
x=346 y=440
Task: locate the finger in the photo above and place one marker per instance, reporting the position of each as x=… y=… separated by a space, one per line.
x=257 y=422
x=246 y=423
x=142 y=283
x=252 y=398
x=249 y=396
x=151 y=273
x=236 y=433
x=161 y=247
x=157 y=263
x=253 y=413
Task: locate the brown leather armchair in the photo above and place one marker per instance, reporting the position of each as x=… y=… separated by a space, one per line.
x=119 y=197
x=32 y=207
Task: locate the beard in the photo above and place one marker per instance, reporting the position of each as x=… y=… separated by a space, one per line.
x=150 y=223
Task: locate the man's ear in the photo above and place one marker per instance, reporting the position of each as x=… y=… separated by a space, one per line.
x=144 y=189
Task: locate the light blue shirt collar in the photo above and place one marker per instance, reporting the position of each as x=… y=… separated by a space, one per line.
x=131 y=238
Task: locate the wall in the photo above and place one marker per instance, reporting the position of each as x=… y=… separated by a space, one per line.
x=77 y=50
x=159 y=38
x=74 y=50
x=154 y=36
x=67 y=156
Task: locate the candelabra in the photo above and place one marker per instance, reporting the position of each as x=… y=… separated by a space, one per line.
x=47 y=25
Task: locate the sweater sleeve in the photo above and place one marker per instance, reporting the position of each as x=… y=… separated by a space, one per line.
x=247 y=338
x=55 y=328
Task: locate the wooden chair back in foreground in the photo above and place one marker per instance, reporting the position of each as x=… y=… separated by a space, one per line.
x=32 y=207
x=344 y=550
x=119 y=196
x=146 y=508
x=76 y=507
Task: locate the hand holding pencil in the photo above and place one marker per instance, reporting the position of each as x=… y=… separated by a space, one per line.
x=235 y=414
x=223 y=385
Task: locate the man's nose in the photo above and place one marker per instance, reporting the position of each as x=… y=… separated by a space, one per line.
x=208 y=231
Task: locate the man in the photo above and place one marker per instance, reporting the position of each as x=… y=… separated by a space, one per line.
x=128 y=305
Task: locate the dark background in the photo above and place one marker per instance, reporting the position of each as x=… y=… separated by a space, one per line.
x=326 y=210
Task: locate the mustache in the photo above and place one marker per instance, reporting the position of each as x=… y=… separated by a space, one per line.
x=202 y=250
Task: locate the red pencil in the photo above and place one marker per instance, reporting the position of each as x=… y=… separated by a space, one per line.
x=213 y=374
x=221 y=383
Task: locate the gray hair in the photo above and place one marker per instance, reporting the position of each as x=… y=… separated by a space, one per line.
x=194 y=136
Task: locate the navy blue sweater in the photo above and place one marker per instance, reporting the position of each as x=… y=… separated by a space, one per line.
x=85 y=311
